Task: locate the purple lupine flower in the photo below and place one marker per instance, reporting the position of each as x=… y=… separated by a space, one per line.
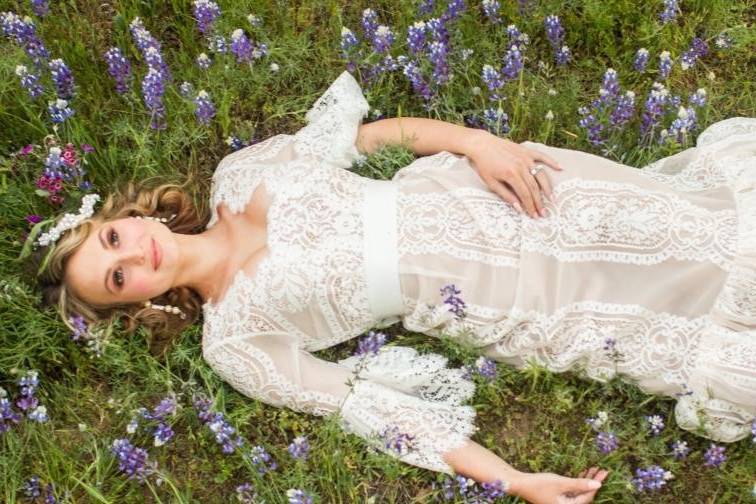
x=456 y=305
x=516 y=37
x=437 y=29
x=655 y=424
x=241 y=47
x=204 y=61
x=684 y=124
x=468 y=490
x=715 y=456
x=641 y=59
x=62 y=78
x=204 y=107
x=491 y=10
x=218 y=44
x=348 y=40
x=486 y=368
x=601 y=418
x=723 y=41
x=245 y=493
x=453 y=10
x=698 y=98
x=382 y=39
x=162 y=434
x=53 y=162
x=23 y=33
x=40 y=7
x=166 y=407
x=369 y=23
x=59 y=110
x=7 y=415
x=624 y=110
x=606 y=442
x=29 y=81
x=262 y=460
x=153 y=88
x=132 y=460
x=665 y=64
x=438 y=53
x=425 y=7
x=80 y=327
x=680 y=449
x=655 y=106
x=234 y=142
x=512 y=64
x=493 y=81
x=698 y=49
x=419 y=85
x=186 y=89
x=555 y=34
x=299 y=448
x=205 y=12
x=119 y=68
x=670 y=11
x=260 y=50
x=651 y=478
x=215 y=421
x=149 y=47
x=50 y=494
x=496 y=121
x=563 y=55
x=416 y=37
x=297 y=496
x=370 y=344
x=397 y=441
x=31 y=488
x=39 y=414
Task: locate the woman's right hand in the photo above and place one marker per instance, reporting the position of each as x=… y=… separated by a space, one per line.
x=549 y=488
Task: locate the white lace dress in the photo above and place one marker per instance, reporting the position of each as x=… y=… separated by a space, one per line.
x=660 y=261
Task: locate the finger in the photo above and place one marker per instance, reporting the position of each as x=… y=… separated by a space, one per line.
x=545 y=158
x=582 y=473
x=535 y=189
x=545 y=182
x=522 y=191
x=580 y=485
x=504 y=193
x=592 y=472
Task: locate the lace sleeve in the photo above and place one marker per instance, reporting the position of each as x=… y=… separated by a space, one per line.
x=333 y=122
x=404 y=404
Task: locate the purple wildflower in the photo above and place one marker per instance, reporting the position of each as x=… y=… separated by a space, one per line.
x=218 y=44
x=624 y=110
x=33 y=218
x=555 y=34
x=224 y=433
x=512 y=64
x=651 y=478
x=31 y=488
x=493 y=81
x=453 y=10
x=698 y=49
x=205 y=12
x=40 y=7
x=297 y=496
x=456 y=305
x=80 y=327
x=467 y=489
x=119 y=68
x=162 y=434
x=698 y=98
x=419 y=85
x=39 y=414
x=425 y=7
x=397 y=441
x=563 y=55
x=167 y=406
x=153 y=88
x=234 y=142
x=255 y=21
x=59 y=110
x=203 y=61
x=491 y=10
x=262 y=459
x=438 y=54
x=655 y=424
x=601 y=418
x=416 y=37
x=29 y=81
x=7 y=415
x=670 y=11
x=684 y=124
x=23 y=33
x=370 y=344
x=62 y=78
x=186 y=89
x=369 y=23
x=245 y=493
x=486 y=368
x=241 y=47
x=655 y=107
x=606 y=442
x=204 y=108
x=132 y=461
x=382 y=39
x=348 y=40
x=665 y=64
x=149 y=47
x=496 y=121
x=723 y=41
x=714 y=456
x=436 y=27
x=641 y=59
x=680 y=449
x=299 y=448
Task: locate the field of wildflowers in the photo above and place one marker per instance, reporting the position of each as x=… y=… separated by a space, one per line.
x=95 y=92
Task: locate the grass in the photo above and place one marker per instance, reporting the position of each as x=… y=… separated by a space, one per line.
x=534 y=419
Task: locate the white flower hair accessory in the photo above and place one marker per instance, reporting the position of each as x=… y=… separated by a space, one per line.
x=69 y=220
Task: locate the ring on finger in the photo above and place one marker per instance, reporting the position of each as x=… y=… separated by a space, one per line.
x=536 y=169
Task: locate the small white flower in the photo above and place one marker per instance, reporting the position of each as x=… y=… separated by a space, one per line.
x=711 y=76
x=552 y=92
x=668 y=475
x=630 y=94
x=82 y=427
x=475 y=90
x=549 y=116
x=237 y=34
x=55 y=151
x=345 y=31
x=643 y=51
x=21 y=70
x=203 y=57
x=274 y=67
x=466 y=53
x=682 y=113
x=253 y=20
x=202 y=94
x=701 y=91
x=603 y=92
x=664 y=133
x=419 y=24
x=61 y=103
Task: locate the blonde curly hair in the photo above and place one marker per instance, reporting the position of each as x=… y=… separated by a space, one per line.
x=130 y=200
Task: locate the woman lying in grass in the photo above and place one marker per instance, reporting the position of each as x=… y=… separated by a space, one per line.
x=527 y=252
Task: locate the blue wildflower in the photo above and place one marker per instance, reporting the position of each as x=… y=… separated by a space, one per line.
x=262 y=460
x=205 y=109
x=132 y=460
x=205 y=12
x=29 y=81
x=651 y=478
x=680 y=449
x=606 y=442
x=670 y=11
x=491 y=10
x=299 y=448
x=370 y=344
x=62 y=78
x=641 y=59
x=655 y=424
x=455 y=303
x=119 y=68
x=204 y=61
x=714 y=456
x=297 y=496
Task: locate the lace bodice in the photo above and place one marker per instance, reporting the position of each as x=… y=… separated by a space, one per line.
x=311 y=292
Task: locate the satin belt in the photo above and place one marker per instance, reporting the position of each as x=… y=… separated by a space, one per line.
x=381 y=250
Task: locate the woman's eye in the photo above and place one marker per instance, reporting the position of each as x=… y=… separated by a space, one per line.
x=118 y=278
x=113 y=234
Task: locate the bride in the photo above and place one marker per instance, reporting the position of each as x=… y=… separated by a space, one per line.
x=525 y=251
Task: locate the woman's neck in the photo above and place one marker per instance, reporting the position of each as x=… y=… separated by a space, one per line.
x=204 y=260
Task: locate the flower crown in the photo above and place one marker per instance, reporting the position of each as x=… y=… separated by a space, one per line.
x=70 y=221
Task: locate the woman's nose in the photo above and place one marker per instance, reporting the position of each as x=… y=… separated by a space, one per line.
x=134 y=255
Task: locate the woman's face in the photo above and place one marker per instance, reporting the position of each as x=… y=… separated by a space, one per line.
x=127 y=260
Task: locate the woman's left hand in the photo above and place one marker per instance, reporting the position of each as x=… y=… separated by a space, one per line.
x=499 y=161
x=549 y=488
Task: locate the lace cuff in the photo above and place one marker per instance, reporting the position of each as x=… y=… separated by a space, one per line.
x=333 y=122
x=409 y=406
